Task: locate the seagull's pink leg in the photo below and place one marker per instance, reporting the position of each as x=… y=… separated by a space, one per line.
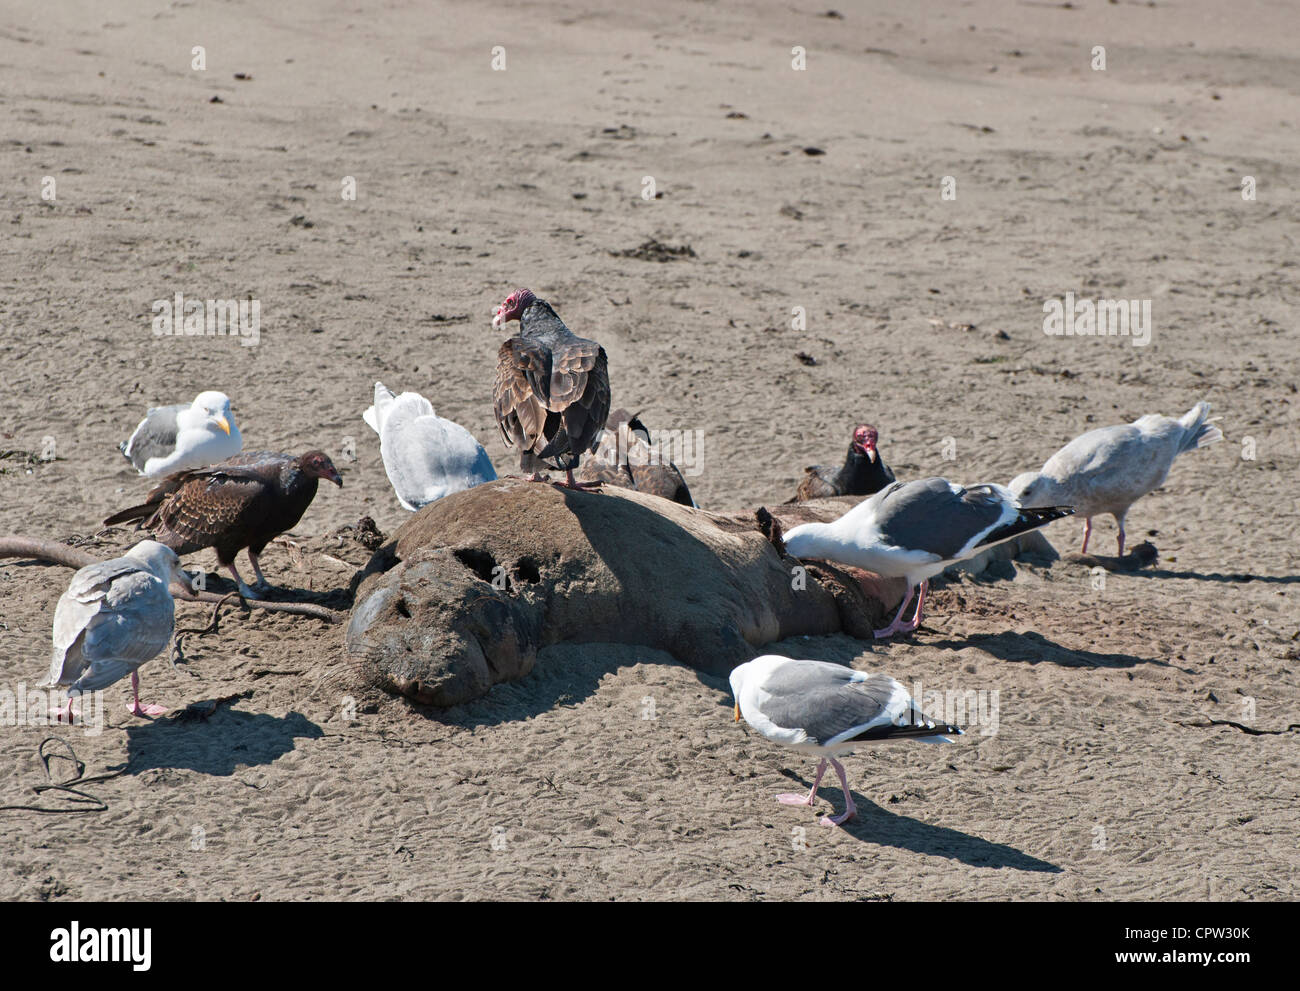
x=1087 y=532
x=920 y=604
x=142 y=710
x=1121 y=537
x=791 y=799
x=850 y=810
x=897 y=625
x=65 y=711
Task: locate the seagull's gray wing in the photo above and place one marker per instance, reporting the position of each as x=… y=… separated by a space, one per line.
x=939 y=518
x=833 y=704
x=155 y=437
x=113 y=617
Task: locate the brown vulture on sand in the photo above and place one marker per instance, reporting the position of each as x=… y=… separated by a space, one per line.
x=863 y=471
x=626 y=457
x=552 y=388
x=245 y=501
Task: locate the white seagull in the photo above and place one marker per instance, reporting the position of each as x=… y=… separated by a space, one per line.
x=914 y=530
x=1108 y=469
x=175 y=438
x=115 y=615
x=426 y=457
x=828 y=709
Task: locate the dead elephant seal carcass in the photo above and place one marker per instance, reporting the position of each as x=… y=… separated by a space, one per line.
x=471 y=587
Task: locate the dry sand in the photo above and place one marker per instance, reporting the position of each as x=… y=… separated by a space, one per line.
x=1102 y=782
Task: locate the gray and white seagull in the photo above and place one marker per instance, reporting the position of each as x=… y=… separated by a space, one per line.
x=914 y=530
x=187 y=435
x=829 y=710
x=115 y=616
x=1108 y=469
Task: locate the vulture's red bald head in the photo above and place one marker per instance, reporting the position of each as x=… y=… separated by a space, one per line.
x=864 y=439
x=318 y=465
x=515 y=304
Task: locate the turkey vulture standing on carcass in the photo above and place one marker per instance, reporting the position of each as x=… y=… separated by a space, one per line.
x=625 y=457
x=863 y=471
x=552 y=389
x=245 y=501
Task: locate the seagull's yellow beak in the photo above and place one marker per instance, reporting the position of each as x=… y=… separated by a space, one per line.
x=737 y=712
x=223 y=424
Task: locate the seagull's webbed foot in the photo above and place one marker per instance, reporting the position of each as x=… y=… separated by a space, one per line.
x=898 y=624
x=137 y=708
x=145 y=709
x=790 y=798
x=840 y=819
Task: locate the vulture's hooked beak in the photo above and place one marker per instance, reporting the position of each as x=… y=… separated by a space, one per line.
x=223 y=423
x=496 y=320
x=737 y=719
x=334 y=477
x=869 y=450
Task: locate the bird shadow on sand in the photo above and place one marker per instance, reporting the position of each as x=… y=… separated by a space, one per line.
x=1034 y=648
x=875 y=824
x=1231 y=578
x=339 y=598
x=1141 y=560
x=230 y=739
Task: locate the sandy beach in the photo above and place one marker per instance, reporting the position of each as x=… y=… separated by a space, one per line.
x=898 y=211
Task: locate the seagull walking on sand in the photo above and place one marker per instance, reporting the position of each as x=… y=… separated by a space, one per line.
x=1108 y=469
x=829 y=710
x=914 y=530
x=115 y=616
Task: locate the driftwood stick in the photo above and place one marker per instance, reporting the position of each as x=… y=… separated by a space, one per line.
x=72 y=557
x=46 y=550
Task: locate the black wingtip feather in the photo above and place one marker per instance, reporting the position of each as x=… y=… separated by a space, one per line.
x=1029 y=519
x=908 y=731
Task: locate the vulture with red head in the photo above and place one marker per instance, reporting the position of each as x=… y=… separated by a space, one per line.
x=552 y=388
x=863 y=471
x=245 y=501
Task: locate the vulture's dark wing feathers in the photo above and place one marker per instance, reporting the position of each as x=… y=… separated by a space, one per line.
x=521 y=392
x=552 y=389
x=580 y=394
x=211 y=508
x=241 y=502
x=624 y=456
